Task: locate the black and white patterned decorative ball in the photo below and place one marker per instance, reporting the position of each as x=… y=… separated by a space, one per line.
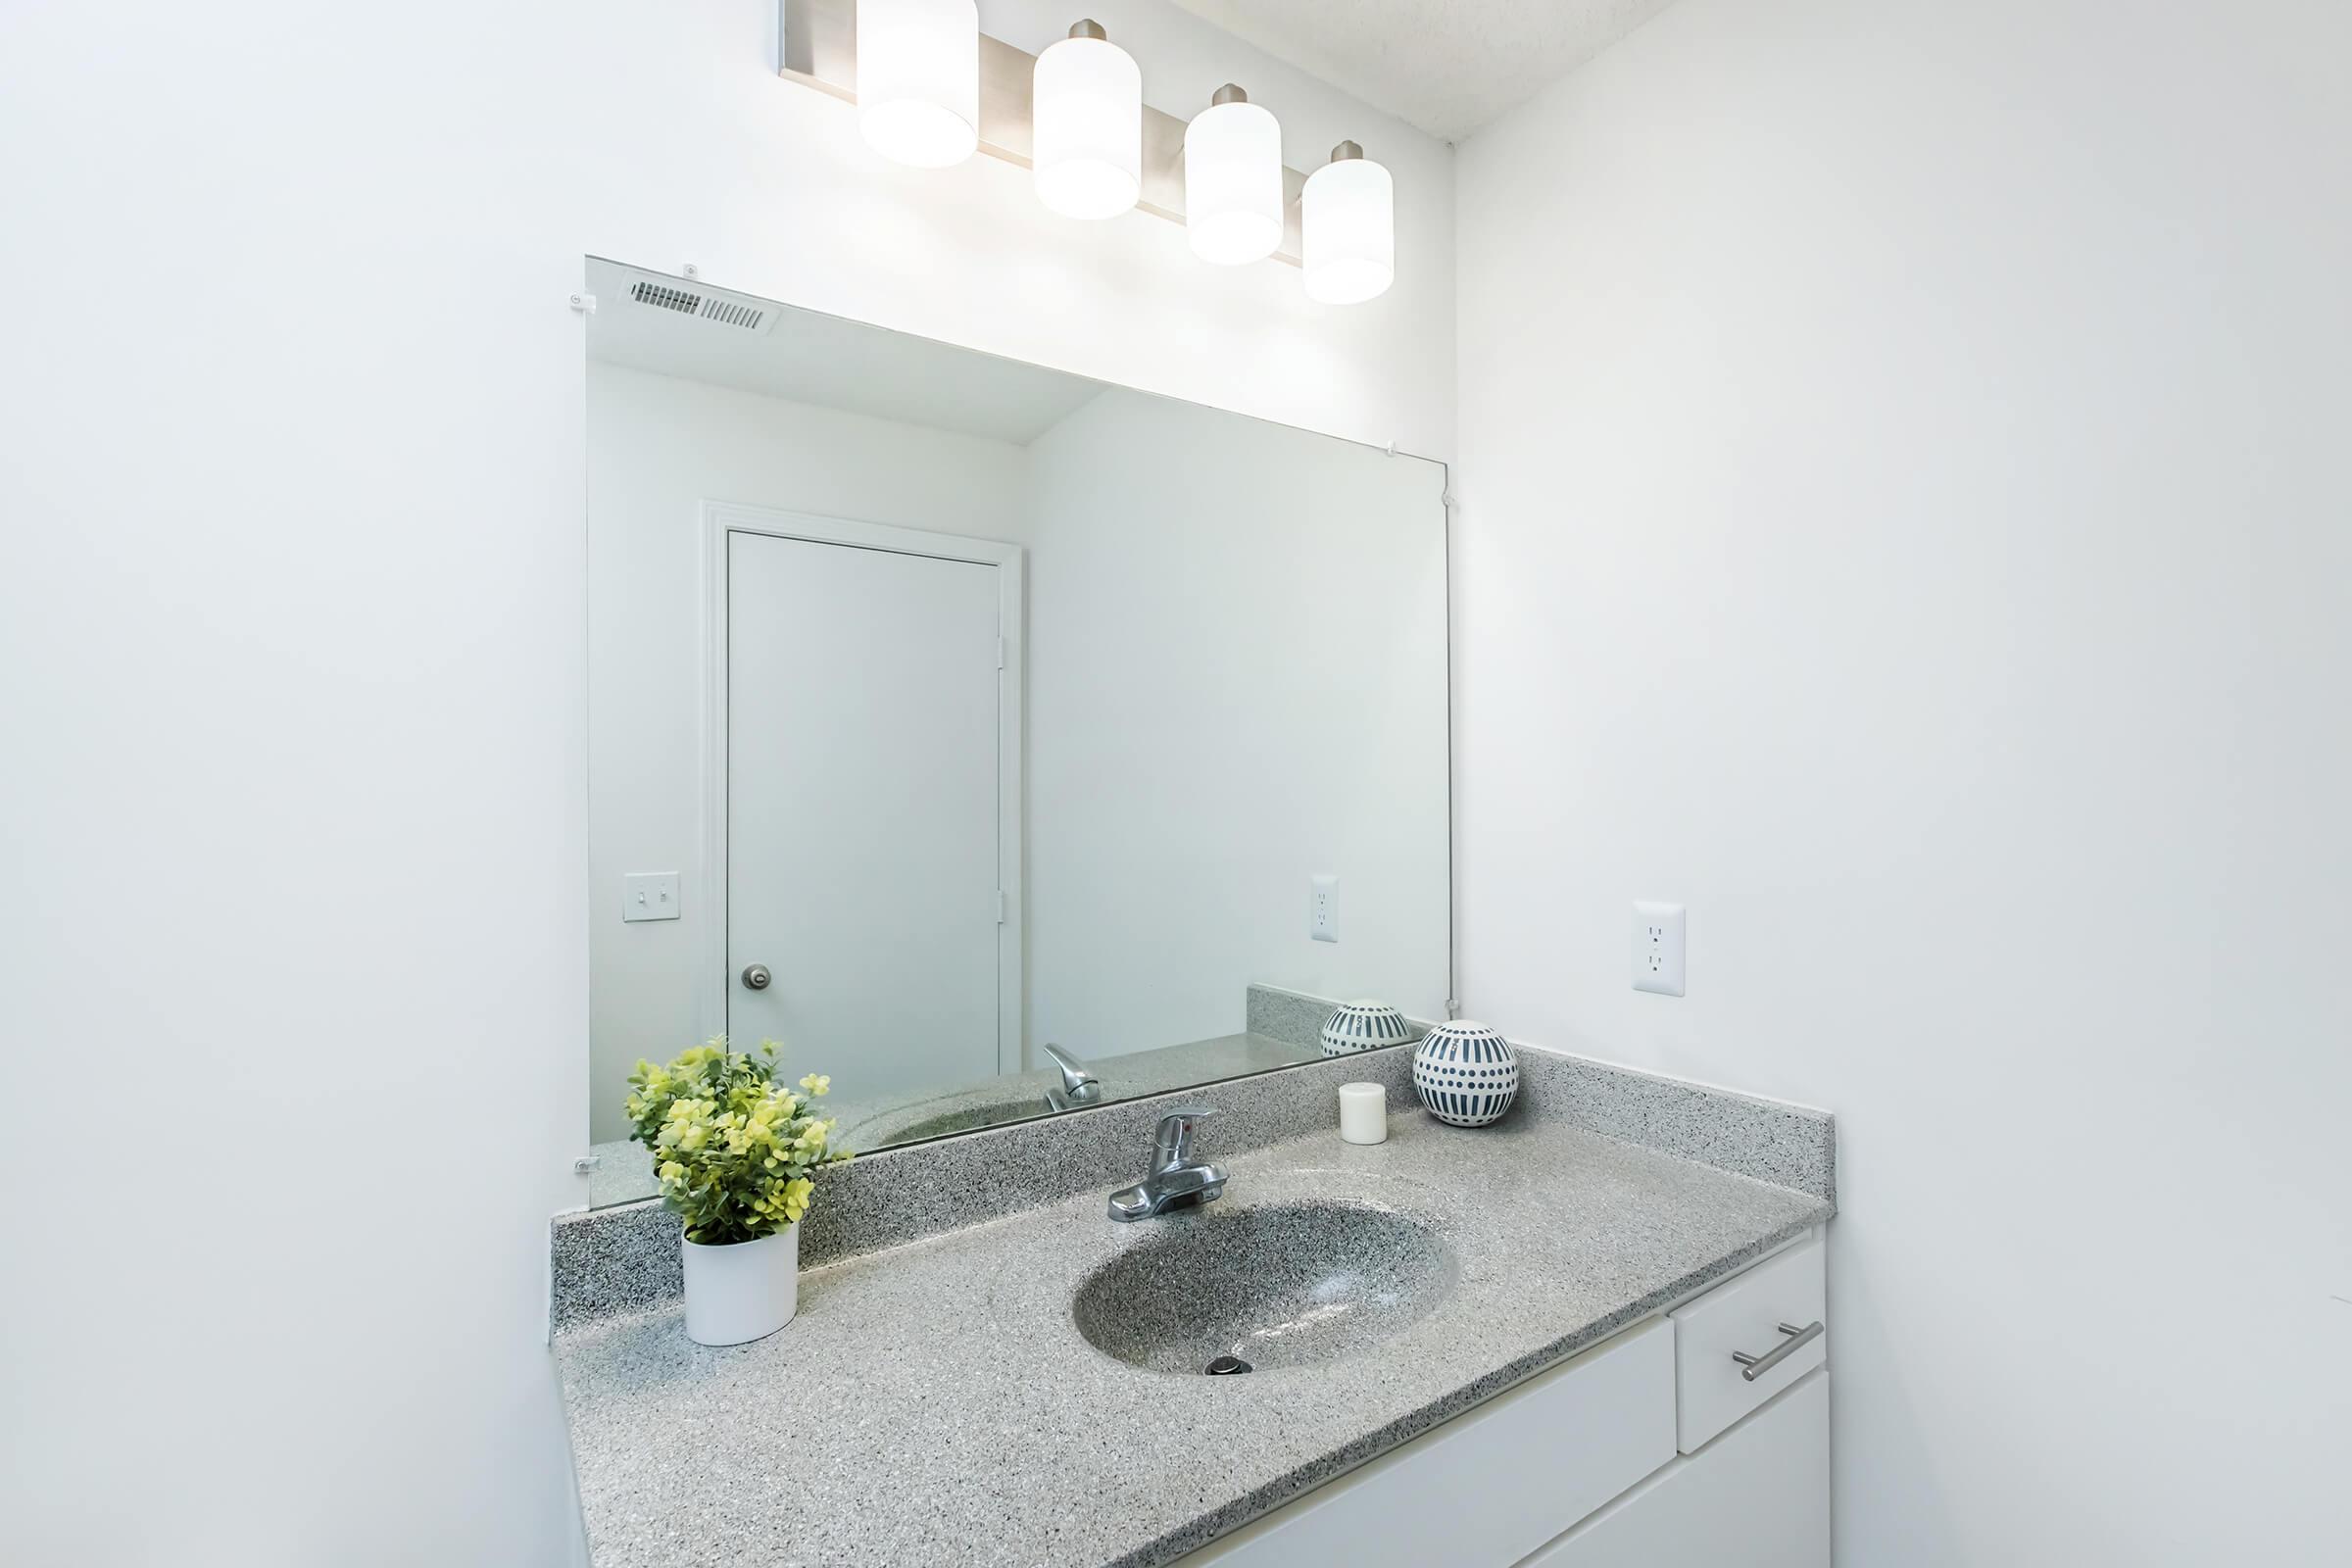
x=1465 y=1074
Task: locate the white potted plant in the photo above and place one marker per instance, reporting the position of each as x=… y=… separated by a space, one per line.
x=734 y=1151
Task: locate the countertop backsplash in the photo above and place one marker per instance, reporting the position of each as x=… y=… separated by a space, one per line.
x=621 y=1260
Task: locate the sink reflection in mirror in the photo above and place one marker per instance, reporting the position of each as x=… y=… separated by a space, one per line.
x=944 y=709
x=1277 y=1285
x=969 y=1119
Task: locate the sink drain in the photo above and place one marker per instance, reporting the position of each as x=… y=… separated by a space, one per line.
x=1226 y=1365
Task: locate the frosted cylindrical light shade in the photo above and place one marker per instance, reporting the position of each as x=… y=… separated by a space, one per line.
x=1087 y=150
x=1232 y=183
x=918 y=79
x=1348 y=231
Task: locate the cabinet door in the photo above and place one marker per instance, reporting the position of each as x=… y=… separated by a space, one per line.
x=1758 y=1497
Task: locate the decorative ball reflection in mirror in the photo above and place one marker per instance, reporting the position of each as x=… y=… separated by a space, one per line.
x=1356 y=1026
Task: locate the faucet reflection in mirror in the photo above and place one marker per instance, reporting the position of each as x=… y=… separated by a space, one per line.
x=1078 y=1085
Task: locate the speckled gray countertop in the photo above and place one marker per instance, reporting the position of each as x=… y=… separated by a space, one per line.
x=933 y=1403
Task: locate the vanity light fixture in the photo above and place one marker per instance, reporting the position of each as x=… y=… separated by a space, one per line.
x=931 y=89
x=1232 y=180
x=1088 y=116
x=1348 y=228
x=918 y=79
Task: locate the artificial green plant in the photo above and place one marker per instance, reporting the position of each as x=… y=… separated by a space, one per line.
x=732 y=1147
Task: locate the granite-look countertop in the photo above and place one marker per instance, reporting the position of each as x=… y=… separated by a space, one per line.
x=933 y=1403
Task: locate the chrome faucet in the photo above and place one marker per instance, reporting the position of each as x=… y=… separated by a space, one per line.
x=1176 y=1180
x=1078 y=1085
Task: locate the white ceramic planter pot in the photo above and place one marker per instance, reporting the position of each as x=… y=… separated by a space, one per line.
x=744 y=1292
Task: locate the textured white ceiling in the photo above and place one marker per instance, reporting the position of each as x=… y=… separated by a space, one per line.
x=1447 y=66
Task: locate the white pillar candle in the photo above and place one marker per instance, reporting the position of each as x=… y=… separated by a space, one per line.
x=1364 y=1113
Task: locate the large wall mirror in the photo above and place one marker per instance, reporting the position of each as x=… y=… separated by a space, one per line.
x=983 y=734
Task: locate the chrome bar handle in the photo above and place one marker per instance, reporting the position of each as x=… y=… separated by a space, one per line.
x=1752 y=1367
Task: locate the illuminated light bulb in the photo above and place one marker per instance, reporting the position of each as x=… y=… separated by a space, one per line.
x=918 y=79
x=1232 y=180
x=1348 y=228
x=1088 y=113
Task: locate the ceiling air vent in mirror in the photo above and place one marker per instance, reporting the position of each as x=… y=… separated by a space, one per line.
x=703 y=305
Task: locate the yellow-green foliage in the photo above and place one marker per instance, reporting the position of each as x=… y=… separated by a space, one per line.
x=732 y=1149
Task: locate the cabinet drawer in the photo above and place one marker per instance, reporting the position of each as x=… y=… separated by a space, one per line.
x=1743 y=1317
x=1493 y=1485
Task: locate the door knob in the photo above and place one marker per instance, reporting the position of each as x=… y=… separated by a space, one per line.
x=756 y=977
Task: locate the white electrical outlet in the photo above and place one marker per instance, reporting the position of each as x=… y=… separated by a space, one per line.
x=1323 y=910
x=649 y=896
x=1658 y=948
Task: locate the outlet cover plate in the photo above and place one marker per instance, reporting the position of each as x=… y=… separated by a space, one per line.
x=1658 y=948
x=1323 y=910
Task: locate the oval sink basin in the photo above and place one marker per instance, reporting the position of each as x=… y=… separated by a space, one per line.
x=1277 y=1286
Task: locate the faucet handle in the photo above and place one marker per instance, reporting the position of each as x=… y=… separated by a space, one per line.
x=1078 y=1085
x=1172 y=1144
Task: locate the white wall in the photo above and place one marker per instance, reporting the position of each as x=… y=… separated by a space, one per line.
x=1236 y=682
x=1905 y=518
x=291 y=609
x=657 y=448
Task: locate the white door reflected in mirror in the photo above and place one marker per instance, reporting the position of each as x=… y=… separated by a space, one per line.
x=861 y=811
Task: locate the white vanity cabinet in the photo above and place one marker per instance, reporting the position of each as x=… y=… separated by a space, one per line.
x=1648 y=1450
